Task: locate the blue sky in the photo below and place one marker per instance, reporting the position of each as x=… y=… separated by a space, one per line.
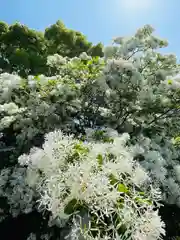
x=99 y=20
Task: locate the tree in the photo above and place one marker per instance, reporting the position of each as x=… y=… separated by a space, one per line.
x=96 y=50
x=20 y=47
x=25 y=51
x=112 y=118
x=64 y=41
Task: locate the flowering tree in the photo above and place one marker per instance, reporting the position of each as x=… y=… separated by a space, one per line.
x=123 y=112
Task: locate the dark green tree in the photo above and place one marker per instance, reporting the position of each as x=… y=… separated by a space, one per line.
x=96 y=50
x=65 y=42
x=20 y=48
x=25 y=51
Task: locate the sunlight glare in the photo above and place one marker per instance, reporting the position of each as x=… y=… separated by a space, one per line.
x=136 y=4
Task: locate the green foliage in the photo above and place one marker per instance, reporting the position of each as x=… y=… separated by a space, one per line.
x=3 y=28
x=25 y=51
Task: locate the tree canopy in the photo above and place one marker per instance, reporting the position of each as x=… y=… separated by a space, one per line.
x=90 y=147
x=25 y=51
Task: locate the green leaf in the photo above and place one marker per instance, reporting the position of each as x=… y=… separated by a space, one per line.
x=108 y=139
x=113 y=180
x=81 y=149
x=122 y=188
x=169 y=81
x=142 y=201
x=70 y=207
x=142 y=193
x=100 y=159
x=177 y=139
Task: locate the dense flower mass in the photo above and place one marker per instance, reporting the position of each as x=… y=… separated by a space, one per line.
x=93 y=143
x=98 y=178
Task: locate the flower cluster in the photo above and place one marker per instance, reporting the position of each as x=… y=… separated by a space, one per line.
x=8 y=82
x=20 y=197
x=101 y=179
x=9 y=112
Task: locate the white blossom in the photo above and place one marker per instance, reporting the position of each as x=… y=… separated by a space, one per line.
x=87 y=179
x=84 y=56
x=6 y=121
x=56 y=60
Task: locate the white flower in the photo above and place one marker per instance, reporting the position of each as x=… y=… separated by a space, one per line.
x=73 y=170
x=149 y=227
x=75 y=60
x=56 y=60
x=119 y=65
x=6 y=121
x=139 y=176
x=11 y=108
x=177 y=172
x=32 y=236
x=104 y=111
x=10 y=80
x=110 y=51
x=84 y=56
x=31 y=81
